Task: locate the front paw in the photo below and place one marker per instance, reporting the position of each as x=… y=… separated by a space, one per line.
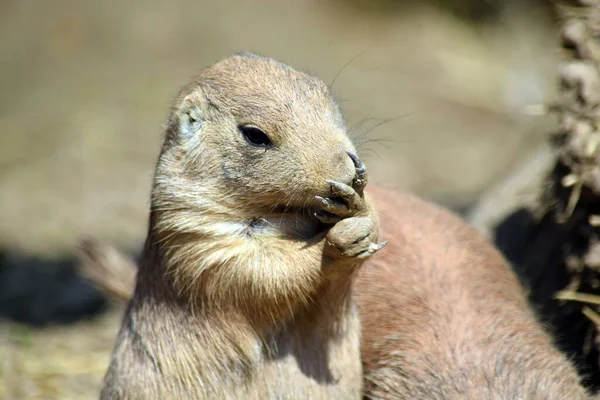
x=354 y=231
x=354 y=237
x=345 y=201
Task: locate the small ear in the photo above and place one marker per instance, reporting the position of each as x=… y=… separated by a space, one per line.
x=191 y=117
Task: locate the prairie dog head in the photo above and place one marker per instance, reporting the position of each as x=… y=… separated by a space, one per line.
x=250 y=136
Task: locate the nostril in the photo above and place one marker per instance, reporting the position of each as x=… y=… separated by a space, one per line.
x=342 y=168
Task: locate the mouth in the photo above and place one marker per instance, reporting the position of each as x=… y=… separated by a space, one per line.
x=304 y=214
x=295 y=220
x=295 y=213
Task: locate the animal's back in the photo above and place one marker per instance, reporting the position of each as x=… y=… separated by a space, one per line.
x=444 y=316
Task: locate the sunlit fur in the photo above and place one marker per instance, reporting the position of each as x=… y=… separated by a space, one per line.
x=444 y=317
x=239 y=294
x=210 y=184
x=228 y=309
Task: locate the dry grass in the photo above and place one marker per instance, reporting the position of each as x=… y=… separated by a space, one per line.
x=59 y=362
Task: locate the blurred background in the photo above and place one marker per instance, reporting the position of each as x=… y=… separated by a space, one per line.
x=445 y=92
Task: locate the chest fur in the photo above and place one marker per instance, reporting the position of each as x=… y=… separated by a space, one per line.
x=175 y=359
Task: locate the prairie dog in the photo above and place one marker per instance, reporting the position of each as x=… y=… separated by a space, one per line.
x=443 y=315
x=258 y=222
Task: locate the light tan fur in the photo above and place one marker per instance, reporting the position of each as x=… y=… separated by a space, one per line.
x=444 y=316
x=242 y=292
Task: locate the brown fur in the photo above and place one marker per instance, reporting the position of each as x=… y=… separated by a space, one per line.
x=241 y=291
x=443 y=315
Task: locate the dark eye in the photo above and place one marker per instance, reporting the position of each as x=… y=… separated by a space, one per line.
x=254 y=136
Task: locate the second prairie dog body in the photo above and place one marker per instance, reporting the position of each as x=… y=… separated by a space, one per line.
x=258 y=222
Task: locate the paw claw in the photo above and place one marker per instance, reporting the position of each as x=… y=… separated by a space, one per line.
x=372 y=249
x=322 y=200
x=327 y=218
x=349 y=196
x=360 y=179
x=333 y=206
x=360 y=167
x=376 y=247
x=340 y=189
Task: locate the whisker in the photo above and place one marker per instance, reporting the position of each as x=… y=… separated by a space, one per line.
x=345 y=66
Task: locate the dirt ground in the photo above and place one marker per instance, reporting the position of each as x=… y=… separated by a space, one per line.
x=85 y=86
